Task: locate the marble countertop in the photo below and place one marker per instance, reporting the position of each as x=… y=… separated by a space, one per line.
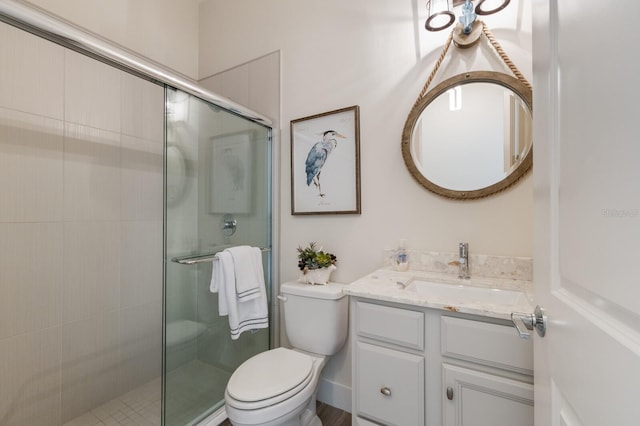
x=382 y=284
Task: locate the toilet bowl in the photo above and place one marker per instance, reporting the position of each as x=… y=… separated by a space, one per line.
x=274 y=388
x=278 y=387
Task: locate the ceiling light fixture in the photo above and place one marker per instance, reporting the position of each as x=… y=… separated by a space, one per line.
x=441 y=14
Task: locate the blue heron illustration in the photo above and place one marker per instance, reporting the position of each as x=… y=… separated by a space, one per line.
x=318 y=156
x=234 y=168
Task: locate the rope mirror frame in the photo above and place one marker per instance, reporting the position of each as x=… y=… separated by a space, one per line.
x=518 y=84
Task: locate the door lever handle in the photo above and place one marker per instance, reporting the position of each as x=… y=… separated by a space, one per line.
x=537 y=320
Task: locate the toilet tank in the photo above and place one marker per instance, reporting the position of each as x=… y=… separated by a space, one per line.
x=316 y=317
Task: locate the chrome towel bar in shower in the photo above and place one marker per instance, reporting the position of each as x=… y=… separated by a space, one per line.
x=208 y=257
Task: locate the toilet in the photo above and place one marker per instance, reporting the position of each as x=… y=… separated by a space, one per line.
x=278 y=387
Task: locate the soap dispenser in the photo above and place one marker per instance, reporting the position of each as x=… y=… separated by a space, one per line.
x=401 y=258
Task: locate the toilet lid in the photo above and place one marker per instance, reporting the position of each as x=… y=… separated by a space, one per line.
x=269 y=374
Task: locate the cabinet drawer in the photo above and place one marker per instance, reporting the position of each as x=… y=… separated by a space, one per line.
x=489 y=344
x=393 y=325
x=390 y=385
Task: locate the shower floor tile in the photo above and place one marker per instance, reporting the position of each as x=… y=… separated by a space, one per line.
x=139 y=407
x=190 y=390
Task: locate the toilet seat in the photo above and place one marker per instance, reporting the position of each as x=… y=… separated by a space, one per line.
x=269 y=378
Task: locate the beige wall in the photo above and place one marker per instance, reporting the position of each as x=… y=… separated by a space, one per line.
x=334 y=54
x=80 y=231
x=375 y=54
x=165 y=31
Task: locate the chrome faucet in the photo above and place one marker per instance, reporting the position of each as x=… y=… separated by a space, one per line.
x=463 y=261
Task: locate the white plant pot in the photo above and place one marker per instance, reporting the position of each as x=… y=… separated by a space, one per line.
x=317 y=276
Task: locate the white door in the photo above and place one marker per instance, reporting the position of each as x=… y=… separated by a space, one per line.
x=587 y=211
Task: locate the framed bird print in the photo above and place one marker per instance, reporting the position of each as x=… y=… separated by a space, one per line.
x=325 y=163
x=231 y=173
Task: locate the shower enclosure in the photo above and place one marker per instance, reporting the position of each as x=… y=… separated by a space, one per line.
x=118 y=184
x=217 y=195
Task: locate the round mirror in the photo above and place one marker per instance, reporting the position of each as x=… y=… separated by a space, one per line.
x=470 y=136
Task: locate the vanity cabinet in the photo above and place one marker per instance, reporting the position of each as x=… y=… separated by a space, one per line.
x=481 y=392
x=390 y=370
x=422 y=366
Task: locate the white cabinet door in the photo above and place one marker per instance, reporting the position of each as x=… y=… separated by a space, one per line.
x=586 y=211
x=390 y=385
x=473 y=398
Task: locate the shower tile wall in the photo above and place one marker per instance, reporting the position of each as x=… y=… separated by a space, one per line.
x=81 y=149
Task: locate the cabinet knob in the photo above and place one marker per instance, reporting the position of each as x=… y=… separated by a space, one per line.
x=450 y=393
x=385 y=391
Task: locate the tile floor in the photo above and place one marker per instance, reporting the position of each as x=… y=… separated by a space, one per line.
x=191 y=388
x=141 y=406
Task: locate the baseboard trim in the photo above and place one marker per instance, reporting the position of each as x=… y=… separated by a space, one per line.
x=334 y=394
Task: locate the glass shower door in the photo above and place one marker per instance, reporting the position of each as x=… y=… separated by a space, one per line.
x=217 y=195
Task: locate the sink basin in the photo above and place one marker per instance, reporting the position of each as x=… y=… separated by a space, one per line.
x=467 y=293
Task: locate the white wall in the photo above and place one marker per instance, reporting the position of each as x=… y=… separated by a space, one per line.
x=375 y=54
x=165 y=31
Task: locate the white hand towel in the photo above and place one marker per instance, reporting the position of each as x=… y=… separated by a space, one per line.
x=214 y=285
x=247 y=263
x=225 y=280
x=248 y=315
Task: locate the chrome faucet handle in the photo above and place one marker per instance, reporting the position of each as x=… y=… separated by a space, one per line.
x=463 y=261
x=464 y=250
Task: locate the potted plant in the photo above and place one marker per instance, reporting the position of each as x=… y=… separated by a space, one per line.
x=316 y=265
